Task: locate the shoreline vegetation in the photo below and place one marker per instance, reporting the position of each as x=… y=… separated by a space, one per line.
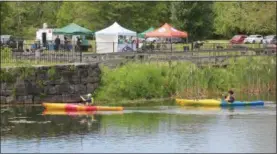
x=150 y=81
x=157 y=80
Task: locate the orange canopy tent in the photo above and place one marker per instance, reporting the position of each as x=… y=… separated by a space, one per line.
x=166 y=31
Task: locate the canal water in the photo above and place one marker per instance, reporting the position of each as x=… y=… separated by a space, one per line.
x=163 y=128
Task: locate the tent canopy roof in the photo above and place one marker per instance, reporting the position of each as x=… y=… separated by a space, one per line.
x=142 y=34
x=73 y=29
x=166 y=31
x=116 y=29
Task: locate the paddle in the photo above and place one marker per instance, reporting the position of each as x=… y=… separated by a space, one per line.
x=83 y=98
x=222 y=98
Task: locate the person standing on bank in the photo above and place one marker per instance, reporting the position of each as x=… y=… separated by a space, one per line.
x=57 y=43
x=66 y=44
x=78 y=44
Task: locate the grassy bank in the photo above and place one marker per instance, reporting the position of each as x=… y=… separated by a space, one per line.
x=162 y=80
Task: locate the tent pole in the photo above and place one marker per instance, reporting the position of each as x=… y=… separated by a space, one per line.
x=171 y=43
x=137 y=42
x=95 y=44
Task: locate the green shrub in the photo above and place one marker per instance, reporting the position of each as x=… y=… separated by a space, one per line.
x=162 y=79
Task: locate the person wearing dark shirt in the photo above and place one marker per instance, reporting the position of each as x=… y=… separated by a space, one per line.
x=57 y=43
x=66 y=44
x=78 y=44
x=230 y=97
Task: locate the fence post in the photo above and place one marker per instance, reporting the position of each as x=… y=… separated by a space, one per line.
x=81 y=55
x=113 y=46
x=95 y=45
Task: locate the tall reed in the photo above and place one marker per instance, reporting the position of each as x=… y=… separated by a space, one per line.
x=184 y=79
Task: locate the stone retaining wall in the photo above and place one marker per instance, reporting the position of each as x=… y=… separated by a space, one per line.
x=59 y=83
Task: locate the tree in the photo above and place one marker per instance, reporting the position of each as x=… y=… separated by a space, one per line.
x=4 y=20
x=194 y=17
x=136 y=16
x=244 y=17
x=23 y=18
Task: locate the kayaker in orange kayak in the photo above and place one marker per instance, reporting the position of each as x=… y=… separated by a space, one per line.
x=230 y=97
x=89 y=100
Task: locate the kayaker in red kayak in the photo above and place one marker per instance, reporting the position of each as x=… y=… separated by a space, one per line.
x=89 y=100
x=230 y=97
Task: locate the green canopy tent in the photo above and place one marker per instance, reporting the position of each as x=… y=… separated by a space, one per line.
x=142 y=35
x=72 y=29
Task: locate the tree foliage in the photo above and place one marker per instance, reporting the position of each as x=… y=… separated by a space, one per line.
x=194 y=17
x=245 y=17
x=23 y=18
x=201 y=20
x=137 y=16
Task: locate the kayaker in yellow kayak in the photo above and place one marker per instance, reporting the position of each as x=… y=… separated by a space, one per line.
x=88 y=100
x=230 y=97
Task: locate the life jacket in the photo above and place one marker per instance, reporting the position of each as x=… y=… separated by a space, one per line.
x=228 y=98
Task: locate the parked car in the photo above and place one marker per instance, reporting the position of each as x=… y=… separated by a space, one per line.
x=11 y=41
x=269 y=39
x=254 y=39
x=175 y=40
x=238 y=39
x=271 y=47
x=151 y=39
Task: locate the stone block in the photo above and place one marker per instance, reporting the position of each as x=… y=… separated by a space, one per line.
x=82 y=73
x=66 y=98
x=93 y=73
x=24 y=99
x=41 y=76
x=51 y=90
x=72 y=89
x=50 y=98
x=93 y=79
x=63 y=88
x=80 y=88
x=76 y=79
x=32 y=88
x=92 y=87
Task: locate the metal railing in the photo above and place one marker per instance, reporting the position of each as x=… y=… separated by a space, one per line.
x=40 y=57
x=92 y=46
x=69 y=54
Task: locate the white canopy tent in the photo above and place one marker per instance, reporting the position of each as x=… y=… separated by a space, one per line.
x=107 y=39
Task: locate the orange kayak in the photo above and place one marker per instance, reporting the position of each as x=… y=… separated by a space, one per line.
x=79 y=113
x=79 y=107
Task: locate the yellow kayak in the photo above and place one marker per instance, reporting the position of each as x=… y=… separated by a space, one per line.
x=202 y=108
x=57 y=112
x=214 y=102
x=206 y=102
